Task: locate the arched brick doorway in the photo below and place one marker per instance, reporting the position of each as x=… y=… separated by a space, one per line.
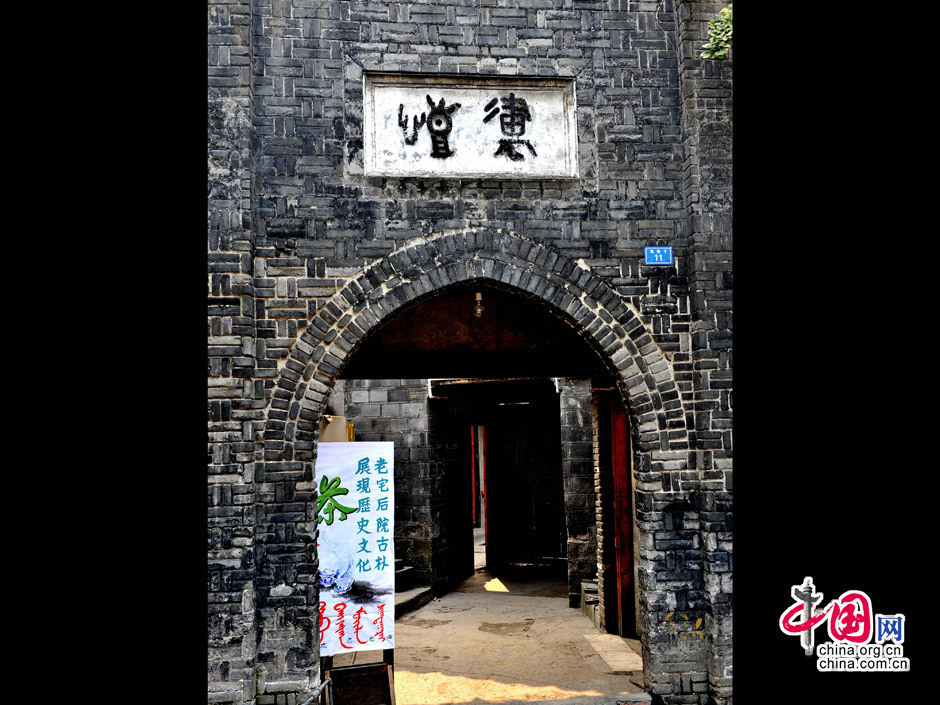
x=643 y=381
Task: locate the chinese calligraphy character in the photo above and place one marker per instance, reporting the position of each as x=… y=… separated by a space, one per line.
x=382 y=543
x=340 y=608
x=806 y=596
x=382 y=504
x=364 y=505
x=439 y=124
x=328 y=491
x=403 y=123
x=363 y=566
x=849 y=617
x=363 y=468
x=381 y=563
x=889 y=626
x=357 y=627
x=383 y=484
x=363 y=485
x=379 y=623
x=515 y=113
x=381 y=524
x=381 y=466
x=324 y=621
x=362 y=546
x=845 y=624
x=363 y=523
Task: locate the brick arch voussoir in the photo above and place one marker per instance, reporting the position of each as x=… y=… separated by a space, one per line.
x=571 y=292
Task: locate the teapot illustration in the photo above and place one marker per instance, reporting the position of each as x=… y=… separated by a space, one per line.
x=335 y=566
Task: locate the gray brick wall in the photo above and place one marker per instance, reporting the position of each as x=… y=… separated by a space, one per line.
x=604 y=515
x=397 y=410
x=707 y=135
x=305 y=256
x=577 y=463
x=236 y=403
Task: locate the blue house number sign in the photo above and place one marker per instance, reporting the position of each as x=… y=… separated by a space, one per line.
x=658 y=255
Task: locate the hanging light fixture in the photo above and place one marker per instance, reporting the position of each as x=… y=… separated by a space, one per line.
x=478 y=306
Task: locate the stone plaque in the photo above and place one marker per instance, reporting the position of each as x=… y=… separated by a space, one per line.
x=469 y=127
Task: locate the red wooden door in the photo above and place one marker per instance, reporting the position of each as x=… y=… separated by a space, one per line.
x=473 y=473
x=483 y=490
x=623 y=520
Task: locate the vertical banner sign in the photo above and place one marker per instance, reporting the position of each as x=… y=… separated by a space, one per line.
x=356 y=546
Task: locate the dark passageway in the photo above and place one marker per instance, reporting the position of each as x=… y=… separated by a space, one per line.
x=491 y=416
x=505 y=449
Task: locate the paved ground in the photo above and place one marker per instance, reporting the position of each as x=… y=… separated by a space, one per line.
x=504 y=640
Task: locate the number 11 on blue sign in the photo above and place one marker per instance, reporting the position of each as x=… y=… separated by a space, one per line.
x=658 y=255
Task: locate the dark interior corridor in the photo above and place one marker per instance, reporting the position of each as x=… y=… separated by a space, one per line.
x=514 y=426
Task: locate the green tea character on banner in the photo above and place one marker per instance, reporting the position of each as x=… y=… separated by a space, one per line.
x=328 y=491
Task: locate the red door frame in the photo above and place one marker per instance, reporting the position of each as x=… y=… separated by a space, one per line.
x=473 y=469
x=483 y=465
x=623 y=518
x=478 y=457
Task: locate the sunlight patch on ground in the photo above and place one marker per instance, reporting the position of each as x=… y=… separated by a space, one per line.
x=441 y=689
x=495 y=585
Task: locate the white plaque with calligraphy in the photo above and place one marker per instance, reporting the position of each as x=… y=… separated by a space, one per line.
x=469 y=127
x=356 y=546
